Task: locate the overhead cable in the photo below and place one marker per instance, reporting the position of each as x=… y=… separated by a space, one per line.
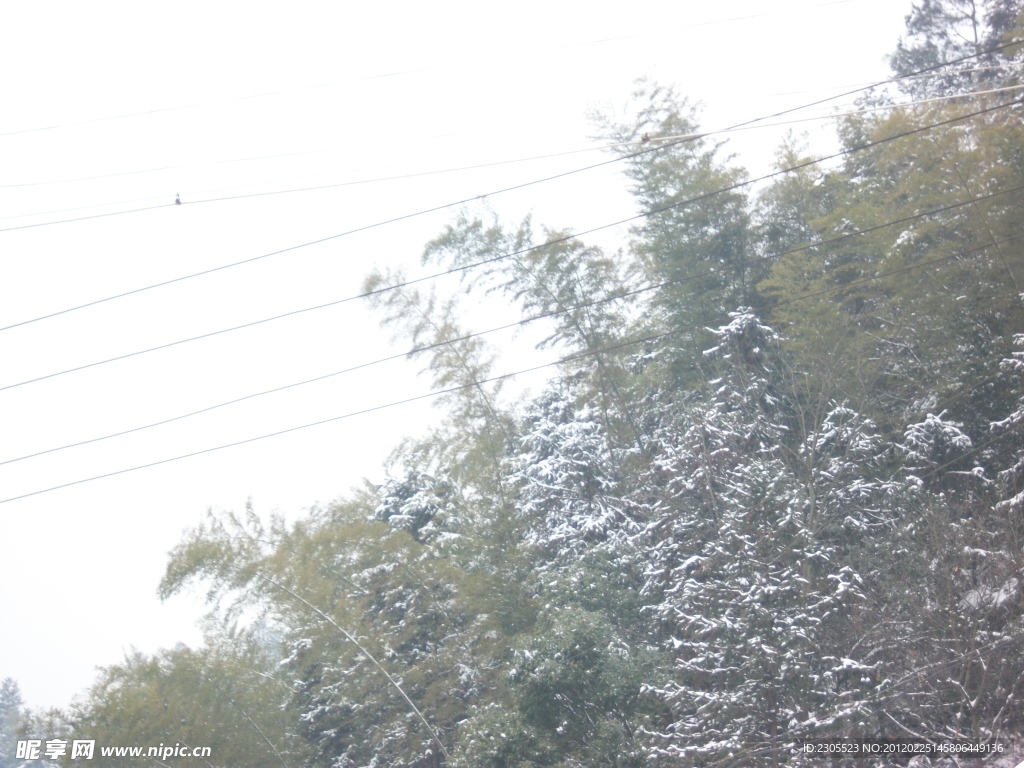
x=466 y=267
x=472 y=199
x=751 y=125
x=397 y=73
x=276 y=156
x=492 y=379
x=517 y=324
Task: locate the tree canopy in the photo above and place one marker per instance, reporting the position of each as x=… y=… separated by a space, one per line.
x=773 y=495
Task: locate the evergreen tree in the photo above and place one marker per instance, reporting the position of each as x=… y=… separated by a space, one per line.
x=11 y=707
x=797 y=519
x=702 y=248
x=940 y=31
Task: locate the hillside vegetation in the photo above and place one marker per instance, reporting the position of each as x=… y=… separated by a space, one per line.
x=774 y=492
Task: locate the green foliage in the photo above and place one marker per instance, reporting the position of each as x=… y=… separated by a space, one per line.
x=225 y=696
x=794 y=511
x=882 y=327
x=697 y=237
x=12 y=711
x=940 y=31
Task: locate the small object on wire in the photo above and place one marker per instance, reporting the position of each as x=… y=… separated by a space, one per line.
x=177 y=199
x=645 y=138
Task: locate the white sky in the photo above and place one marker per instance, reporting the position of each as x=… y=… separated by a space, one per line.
x=358 y=91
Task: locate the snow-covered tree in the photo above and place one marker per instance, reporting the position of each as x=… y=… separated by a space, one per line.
x=419 y=503
x=757 y=562
x=11 y=710
x=1012 y=478
x=565 y=477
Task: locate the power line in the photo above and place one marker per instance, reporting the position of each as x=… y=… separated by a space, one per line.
x=492 y=379
x=693 y=136
x=397 y=177
x=225 y=161
x=851 y=113
x=334 y=418
x=476 y=62
x=918 y=265
x=93 y=216
x=519 y=323
x=965 y=71
x=332 y=150
x=464 y=201
x=501 y=257
x=336 y=185
x=750 y=125
x=85 y=208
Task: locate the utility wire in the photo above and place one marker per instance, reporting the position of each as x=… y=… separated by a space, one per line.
x=517 y=324
x=352 y=414
x=358 y=181
x=94 y=215
x=477 y=62
x=501 y=257
x=397 y=177
x=472 y=199
x=851 y=113
x=492 y=379
x=689 y=137
x=230 y=160
x=256 y=158
x=965 y=71
x=85 y=207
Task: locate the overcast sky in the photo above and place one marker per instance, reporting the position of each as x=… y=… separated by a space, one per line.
x=110 y=108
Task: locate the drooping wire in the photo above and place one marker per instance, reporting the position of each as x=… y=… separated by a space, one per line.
x=659 y=148
x=517 y=324
x=492 y=379
x=529 y=158
x=397 y=73
x=483 y=262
